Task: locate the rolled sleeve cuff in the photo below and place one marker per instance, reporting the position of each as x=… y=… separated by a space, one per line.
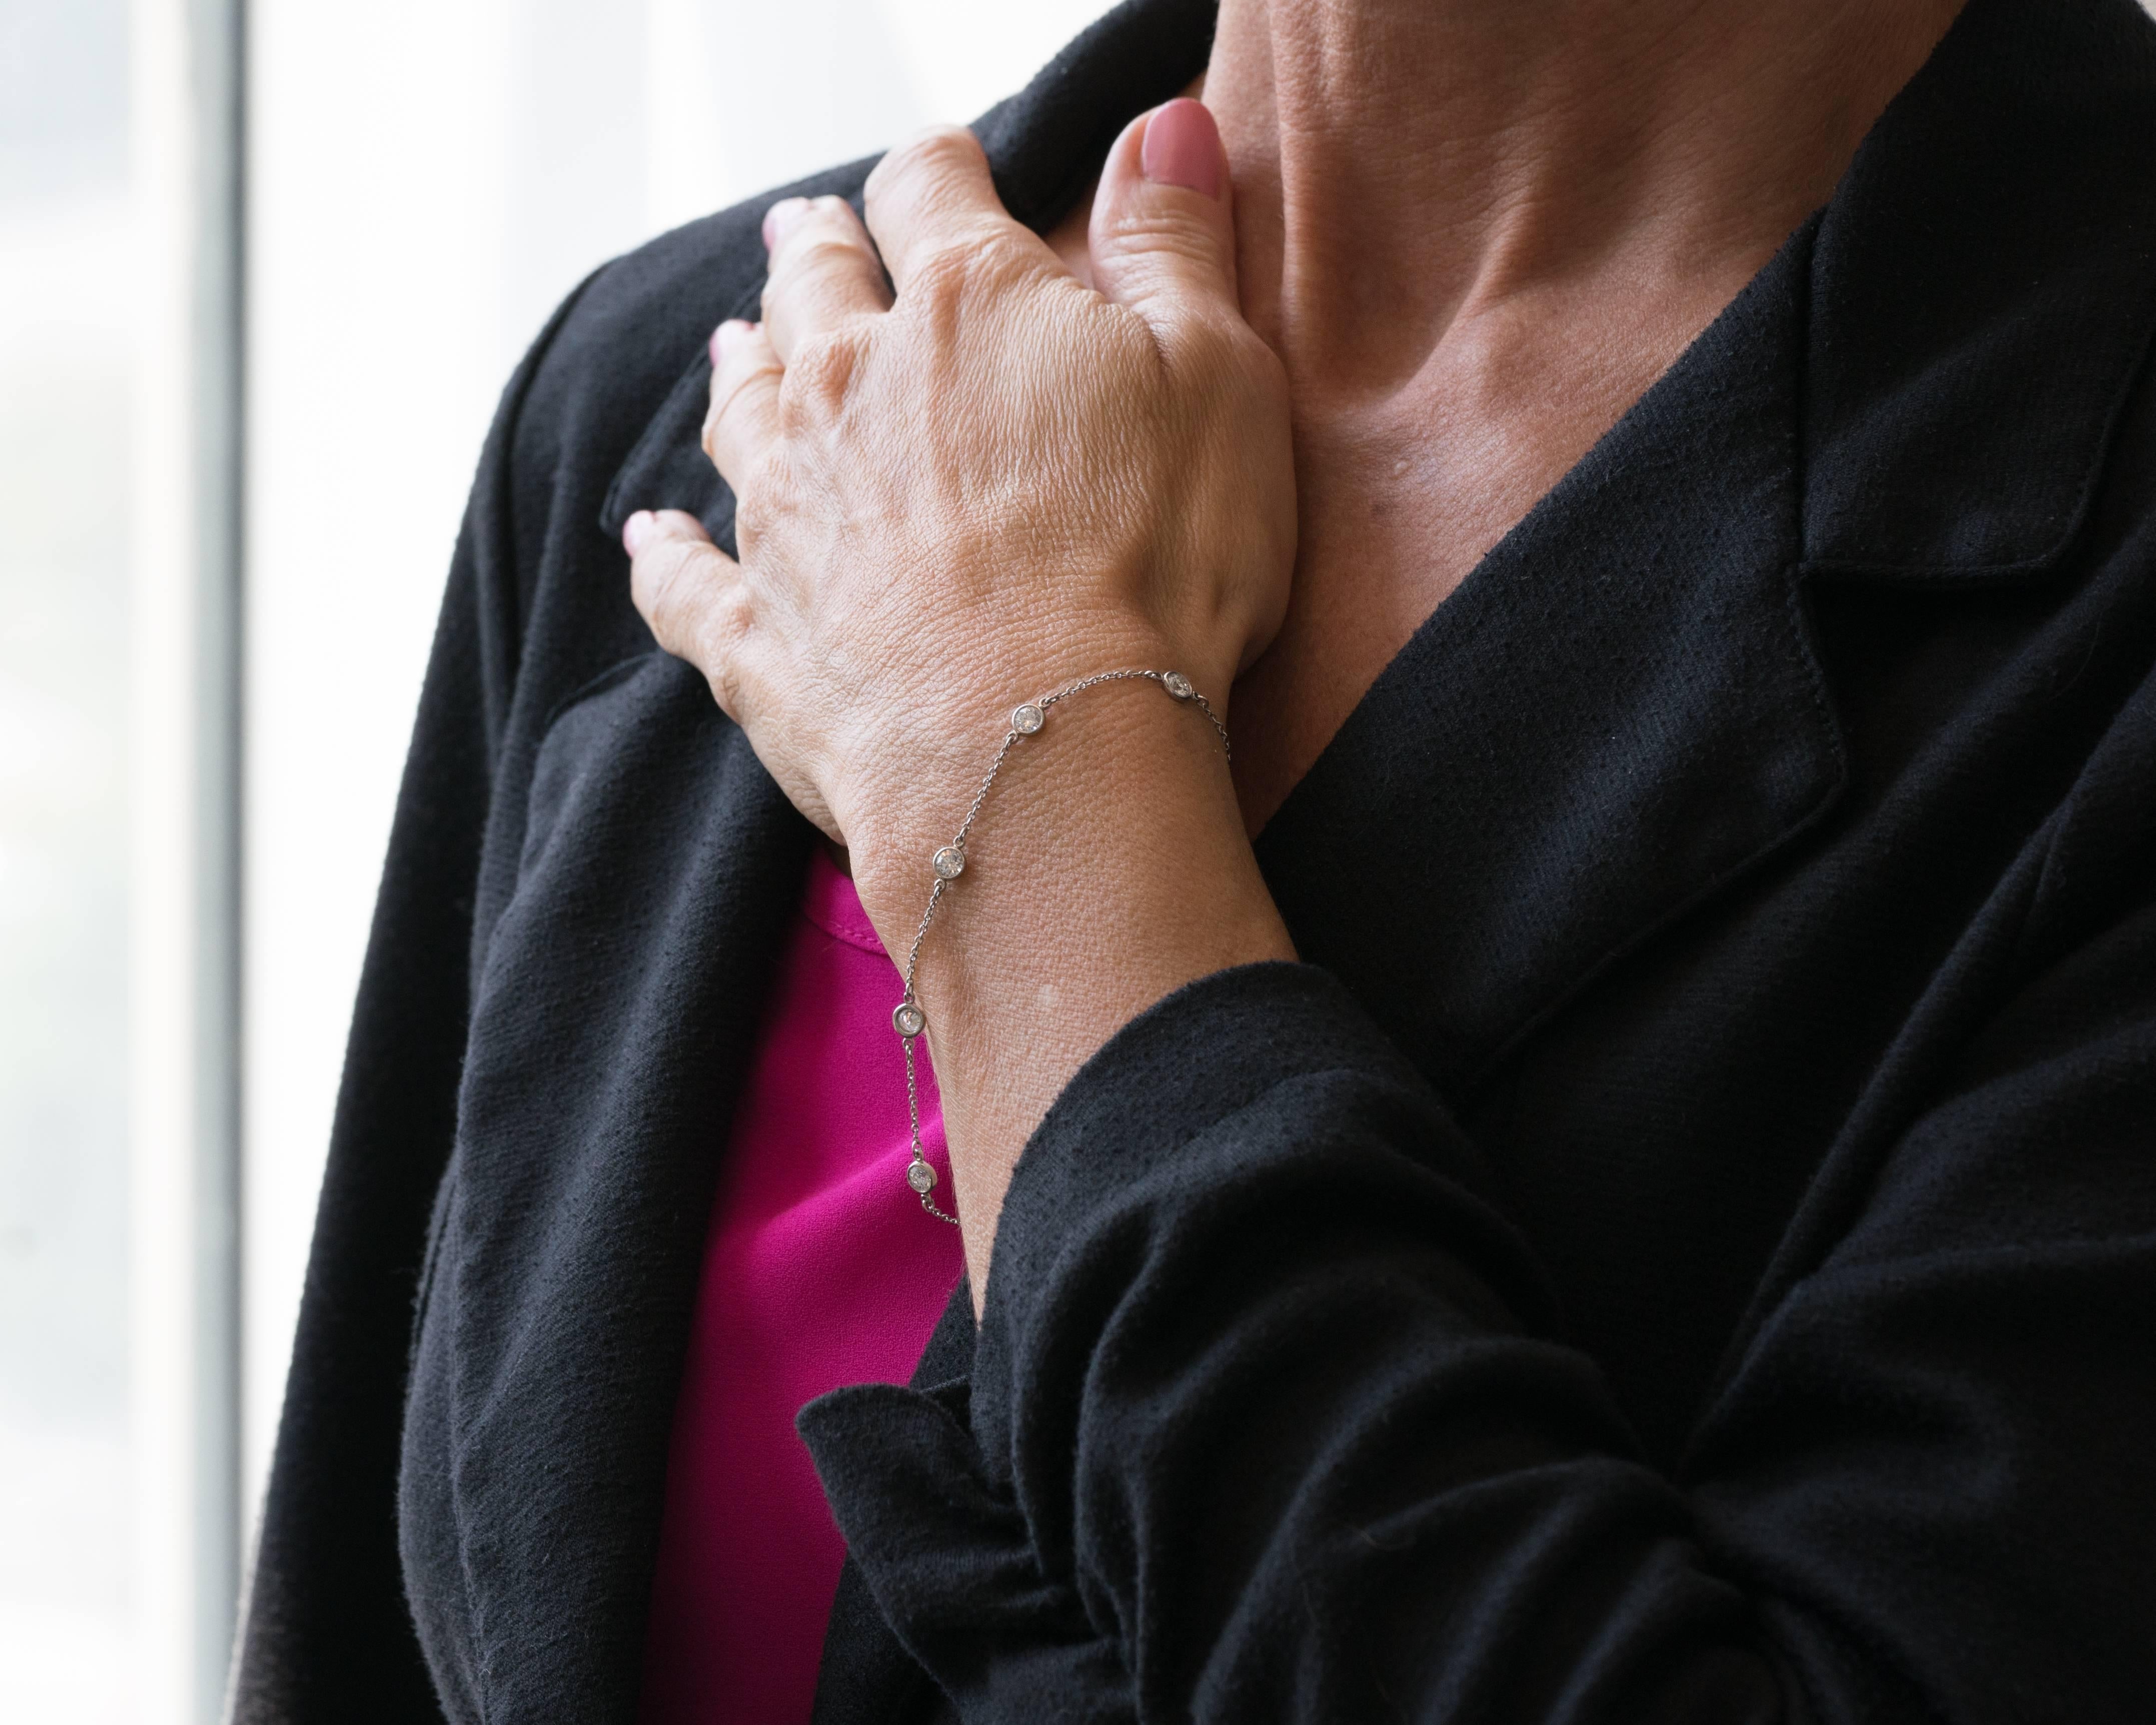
x=921 y=1480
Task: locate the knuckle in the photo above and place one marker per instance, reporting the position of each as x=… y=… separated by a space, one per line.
x=822 y=368
x=978 y=257
x=725 y=683
x=733 y=620
x=833 y=219
x=1212 y=342
x=750 y=516
x=808 y=256
x=670 y=595
x=723 y=628
x=809 y=265
x=1203 y=342
x=727 y=396
x=725 y=692
x=928 y=155
x=724 y=648
x=759 y=498
x=826 y=235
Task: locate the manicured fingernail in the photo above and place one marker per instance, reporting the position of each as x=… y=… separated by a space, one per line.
x=780 y=218
x=1183 y=147
x=727 y=336
x=636 y=530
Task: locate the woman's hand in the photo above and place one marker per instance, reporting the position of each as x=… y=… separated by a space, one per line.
x=949 y=503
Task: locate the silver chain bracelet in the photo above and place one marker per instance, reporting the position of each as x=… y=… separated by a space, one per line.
x=949 y=863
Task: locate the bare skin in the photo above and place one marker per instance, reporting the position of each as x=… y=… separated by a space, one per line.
x=1475 y=234
x=1434 y=253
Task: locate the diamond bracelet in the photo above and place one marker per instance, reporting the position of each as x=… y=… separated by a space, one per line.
x=949 y=863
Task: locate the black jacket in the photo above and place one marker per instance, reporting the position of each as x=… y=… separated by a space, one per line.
x=1683 y=1246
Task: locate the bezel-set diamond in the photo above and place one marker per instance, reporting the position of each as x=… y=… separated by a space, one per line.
x=948 y=862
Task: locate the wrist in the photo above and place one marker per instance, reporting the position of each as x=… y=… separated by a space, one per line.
x=907 y=798
x=1108 y=867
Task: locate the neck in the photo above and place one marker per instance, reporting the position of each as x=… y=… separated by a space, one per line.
x=1405 y=168
x=1474 y=232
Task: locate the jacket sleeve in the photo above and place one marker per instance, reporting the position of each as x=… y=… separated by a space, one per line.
x=326 y=1635
x=1271 y=1418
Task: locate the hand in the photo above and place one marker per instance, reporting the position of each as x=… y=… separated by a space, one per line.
x=952 y=501
x=948 y=504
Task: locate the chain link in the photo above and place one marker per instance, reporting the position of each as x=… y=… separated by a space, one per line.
x=920 y=1177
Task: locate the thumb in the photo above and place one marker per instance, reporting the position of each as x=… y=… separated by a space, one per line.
x=1162 y=234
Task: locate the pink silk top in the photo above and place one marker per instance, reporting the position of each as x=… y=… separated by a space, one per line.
x=820 y=1269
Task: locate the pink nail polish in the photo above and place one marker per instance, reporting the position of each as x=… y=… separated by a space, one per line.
x=1181 y=147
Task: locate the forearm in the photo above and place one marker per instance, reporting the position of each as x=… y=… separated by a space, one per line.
x=1273 y=1416
x=1108 y=868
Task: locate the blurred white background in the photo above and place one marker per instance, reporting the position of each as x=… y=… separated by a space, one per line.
x=424 y=181
x=65 y=1557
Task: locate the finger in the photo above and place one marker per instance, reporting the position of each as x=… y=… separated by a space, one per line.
x=1163 y=235
x=935 y=194
x=823 y=271
x=689 y=592
x=743 y=420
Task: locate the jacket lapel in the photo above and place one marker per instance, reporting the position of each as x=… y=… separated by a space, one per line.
x=1620 y=712
x=1616 y=713
x=1983 y=293
x=614 y=1014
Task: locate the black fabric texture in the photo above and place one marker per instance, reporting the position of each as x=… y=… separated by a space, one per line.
x=1680 y=1246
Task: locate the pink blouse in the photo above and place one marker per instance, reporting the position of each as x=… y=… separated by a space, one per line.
x=821 y=1269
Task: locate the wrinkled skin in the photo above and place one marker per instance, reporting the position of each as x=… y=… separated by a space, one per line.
x=1005 y=479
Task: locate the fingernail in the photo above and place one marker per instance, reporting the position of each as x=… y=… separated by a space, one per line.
x=726 y=337
x=1183 y=147
x=636 y=530
x=779 y=219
